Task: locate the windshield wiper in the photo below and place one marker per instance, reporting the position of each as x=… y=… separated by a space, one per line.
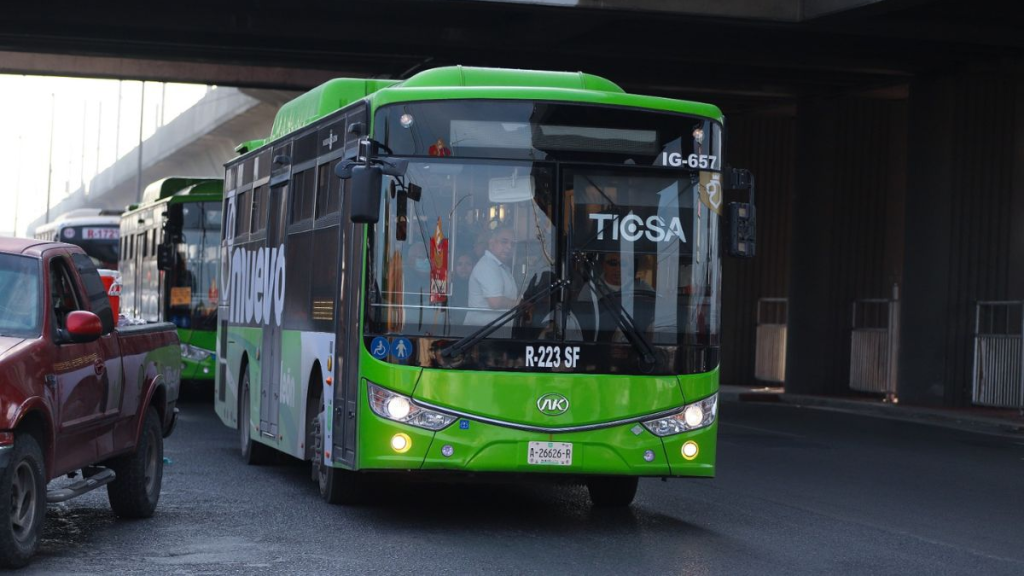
x=618 y=311
x=484 y=331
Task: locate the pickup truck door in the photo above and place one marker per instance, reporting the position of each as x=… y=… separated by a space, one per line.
x=112 y=376
x=82 y=371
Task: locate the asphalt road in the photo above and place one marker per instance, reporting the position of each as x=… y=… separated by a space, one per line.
x=799 y=491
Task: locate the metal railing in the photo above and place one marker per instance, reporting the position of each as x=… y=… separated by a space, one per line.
x=770 y=346
x=874 y=345
x=998 y=378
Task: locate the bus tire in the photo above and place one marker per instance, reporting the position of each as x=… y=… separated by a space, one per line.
x=612 y=491
x=253 y=453
x=135 y=491
x=23 y=497
x=336 y=485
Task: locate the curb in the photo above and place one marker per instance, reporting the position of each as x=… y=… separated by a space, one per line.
x=1011 y=426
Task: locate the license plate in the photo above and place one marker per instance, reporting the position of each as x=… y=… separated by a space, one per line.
x=100 y=233
x=549 y=453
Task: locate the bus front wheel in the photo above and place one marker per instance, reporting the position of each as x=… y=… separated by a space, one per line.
x=612 y=491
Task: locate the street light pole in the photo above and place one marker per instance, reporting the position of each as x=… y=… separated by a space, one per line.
x=138 y=174
x=49 y=163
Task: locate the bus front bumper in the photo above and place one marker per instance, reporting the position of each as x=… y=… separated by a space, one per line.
x=472 y=446
x=198 y=369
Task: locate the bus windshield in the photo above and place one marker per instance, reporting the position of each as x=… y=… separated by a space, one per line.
x=461 y=243
x=558 y=222
x=193 y=282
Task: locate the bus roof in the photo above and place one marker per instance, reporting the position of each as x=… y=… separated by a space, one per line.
x=180 y=185
x=460 y=82
x=78 y=221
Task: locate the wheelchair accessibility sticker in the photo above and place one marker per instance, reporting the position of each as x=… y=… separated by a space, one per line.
x=379 y=348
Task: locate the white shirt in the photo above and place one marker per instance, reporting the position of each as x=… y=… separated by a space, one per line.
x=489 y=279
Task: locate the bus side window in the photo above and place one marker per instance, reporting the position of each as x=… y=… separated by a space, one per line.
x=323 y=181
x=303 y=195
x=259 y=209
x=242 y=208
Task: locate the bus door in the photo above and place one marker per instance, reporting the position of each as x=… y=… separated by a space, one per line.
x=270 y=361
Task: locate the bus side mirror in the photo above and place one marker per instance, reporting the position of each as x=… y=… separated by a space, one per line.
x=364 y=203
x=165 y=257
x=742 y=229
x=741 y=216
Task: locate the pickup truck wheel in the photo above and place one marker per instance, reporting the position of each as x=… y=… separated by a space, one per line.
x=254 y=453
x=612 y=491
x=23 y=497
x=136 y=490
x=337 y=486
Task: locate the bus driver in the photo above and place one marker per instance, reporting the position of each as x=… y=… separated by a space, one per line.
x=492 y=290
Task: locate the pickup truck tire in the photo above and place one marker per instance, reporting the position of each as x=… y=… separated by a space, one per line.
x=23 y=497
x=136 y=490
x=612 y=491
x=254 y=453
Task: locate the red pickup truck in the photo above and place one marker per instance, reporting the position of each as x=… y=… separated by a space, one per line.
x=79 y=396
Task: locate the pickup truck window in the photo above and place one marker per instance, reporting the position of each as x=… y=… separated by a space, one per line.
x=64 y=298
x=19 y=296
x=99 y=302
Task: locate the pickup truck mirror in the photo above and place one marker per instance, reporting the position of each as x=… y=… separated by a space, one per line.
x=83 y=326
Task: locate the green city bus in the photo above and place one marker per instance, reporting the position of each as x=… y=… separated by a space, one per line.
x=170 y=257
x=479 y=271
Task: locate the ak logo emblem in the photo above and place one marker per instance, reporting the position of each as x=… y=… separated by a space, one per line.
x=552 y=404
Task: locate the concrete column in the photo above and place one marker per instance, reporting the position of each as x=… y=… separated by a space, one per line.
x=926 y=299
x=809 y=357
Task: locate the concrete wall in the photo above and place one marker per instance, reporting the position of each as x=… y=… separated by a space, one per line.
x=848 y=211
x=965 y=225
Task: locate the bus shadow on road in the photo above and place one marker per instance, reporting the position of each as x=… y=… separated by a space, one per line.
x=471 y=504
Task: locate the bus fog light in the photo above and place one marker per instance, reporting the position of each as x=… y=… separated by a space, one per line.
x=447 y=450
x=695 y=416
x=398 y=407
x=649 y=455
x=690 y=450
x=401 y=443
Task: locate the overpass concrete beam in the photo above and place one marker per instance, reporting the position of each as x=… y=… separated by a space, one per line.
x=166 y=71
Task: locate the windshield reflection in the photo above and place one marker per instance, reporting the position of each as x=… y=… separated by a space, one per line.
x=460 y=244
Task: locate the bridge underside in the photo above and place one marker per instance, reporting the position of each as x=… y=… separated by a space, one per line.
x=733 y=52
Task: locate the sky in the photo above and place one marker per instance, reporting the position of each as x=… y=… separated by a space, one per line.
x=94 y=122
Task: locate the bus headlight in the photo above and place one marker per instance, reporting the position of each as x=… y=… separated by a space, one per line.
x=193 y=353
x=394 y=406
x=694 y=416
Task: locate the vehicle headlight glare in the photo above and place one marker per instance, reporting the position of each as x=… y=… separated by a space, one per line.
x=695 y=416
x=399 y=408
x=401 y=443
